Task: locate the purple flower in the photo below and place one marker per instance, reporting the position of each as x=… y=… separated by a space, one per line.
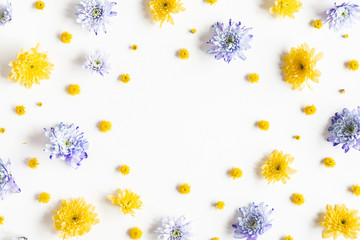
x=254 y=221
x=7 y=182
x=174 y=229
x=342 y=16
x=95 y=14
x=97 y=62
x=5 y=13
x=229 y=42
x=345 y=129
x=67 y=143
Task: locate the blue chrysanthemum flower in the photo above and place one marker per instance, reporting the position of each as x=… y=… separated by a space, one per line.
x=254 y=221
x=97 y=62
x=5 y=13
x=7 y=182
x=174 y=229
x=345 y=129
x=95 y=14
x=229 y=42
x=342 y=16
x=67 y=143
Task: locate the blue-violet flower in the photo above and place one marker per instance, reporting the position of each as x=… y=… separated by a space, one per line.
x=7 y=182
x=342 y=16
x=174 y=229
x=5 y=13
x=97 y=62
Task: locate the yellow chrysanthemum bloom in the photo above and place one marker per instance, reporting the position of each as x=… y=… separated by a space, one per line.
x=298 y=199
x=235 y=173
x=253 y=77
x=297 y=137
x=124 y=169
x=105 y=126
x=342 y=91
x=310 y=110
x=2 y=130
x=286 y=8
x=215 y=238
x=340 y=221
x=346 y=35
x=74 y=218
x=300 y=66
x=277 y=167
x=193 y=30
x=211 y=2
x=125 y=78
x=162 y=10
x=329 y=162
x=134 y=47
x=264 y=125
x=73 y=89
x=184 y=53
x=353 y=65
x=33 y=163
x=20 y=110
x=2 y=220
x=135 y=233
x=127 y=200
x=40 y=104
x=317 y=24
x=30 y=68
x=220 y=205
x=356 y=190
x=44 y=197
x=39 y=5
x=288 y=238
x=184 y=188
x=66 y=37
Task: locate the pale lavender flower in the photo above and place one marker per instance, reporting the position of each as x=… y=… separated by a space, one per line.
x=254 y=221
x=7 y=182
x=342 y=16
x=174 y=229
x=95 y=14
x=97 y=62
x=345 y=129
x=5 y=13
x=67 y=143
x=229 y=42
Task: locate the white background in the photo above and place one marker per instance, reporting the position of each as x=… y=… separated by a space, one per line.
x=177 y=120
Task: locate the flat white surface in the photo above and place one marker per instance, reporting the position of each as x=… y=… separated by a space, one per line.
x=177 y=120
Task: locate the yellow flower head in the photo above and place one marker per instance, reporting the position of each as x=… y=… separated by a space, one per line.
x=44 y=197
x=39 y=5
x=30 y=68
x=340 y=221
x=184 y=188
x=310 y=110
x=297 y=137
x=134 y=47
x=215 y=238
x=286 y=8
x=66 y=37
x=253 y=77
x=298 y=199
x=2 y=220
x=329 y=162
x=20 y=110
x=33 y=163
x=125 y=78
x=264 y=125
x=356 y=190
x=184 y=53
x=211 y=2
x=277 y=167
x=162 y=10
x=342 y=91
x=127 y=200
x=105 y=126
x=353 y=65
x=220 y=205
x=288 y=238
x=40 y=104
x=300 y=66
x=235 y=173
x=124 y=169
x=317 y=24
x=135 y=233
x=193 y=30
x=74 y=218
x=2 y=130
x=73 y=89
x=346 y=36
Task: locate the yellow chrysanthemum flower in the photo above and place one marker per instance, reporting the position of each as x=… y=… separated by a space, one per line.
x=356 y=190
x=193 y=30
x=105 y=126
x=2 y=130
x=253 y=77
x=317 y=24
x=298 y=199
x=215 y=238
x=135 y=233
x=340 y=221
x=277 y=167
x=40 y=104
x=286 y=8
x=33 y=163
x=353 y=65
x=288 y=238
x=162 y=10
x=74 y=218
x=39 y=5
x=184 y=53
x=73 y=89
x=2 y=220
x=44 y=197
x=329 y=162
x=20 y=110
x=184 y=188
x=220 y=205
x=342 y=91
x=235 y=173
x=211 y=2
x=30 y=68
x=346 y=36
x=125 y=78
x=124 y=169
x=300 y=66
x=127 y=200
x=66 y=37
x=134 y=47
x=310 y=110
x=263 y=125
x=297 y=137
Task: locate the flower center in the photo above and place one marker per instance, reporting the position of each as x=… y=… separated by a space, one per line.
x=350 y=129
x=176 y=233
x=97 y=63
x=343 y=222
x=2 y=15
x=32 y=66
x=166 y=5
x=96 y=13
x=67 y=143
x=75 y=218
x=278 y=168
x=302 y=67
x=230 y=40
x=253 y=223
